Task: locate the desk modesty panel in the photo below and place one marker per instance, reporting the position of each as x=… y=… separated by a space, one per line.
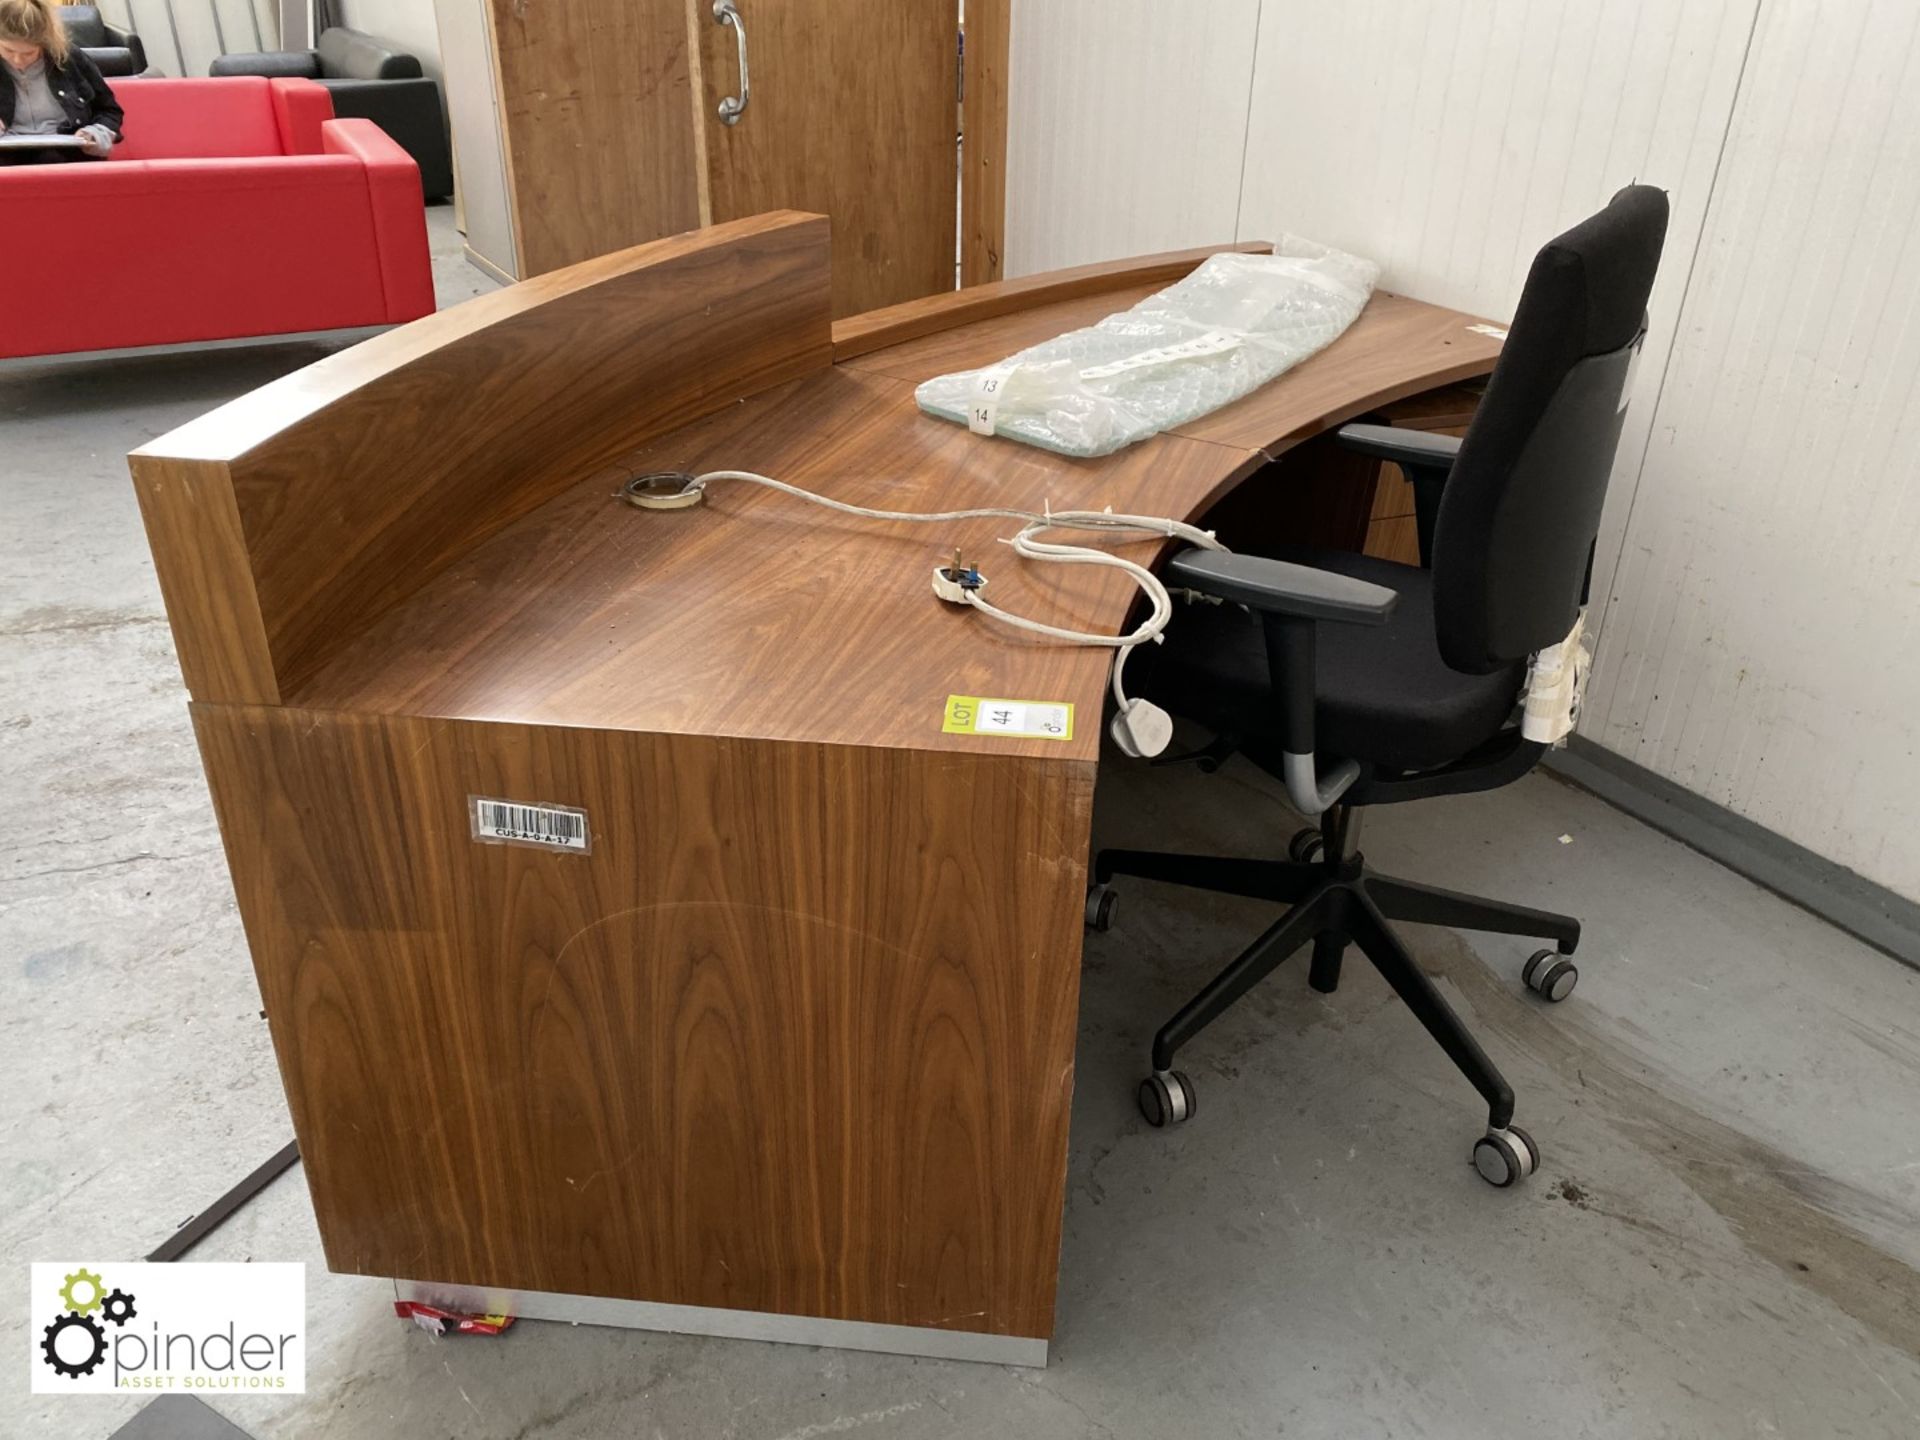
x=779 y=1025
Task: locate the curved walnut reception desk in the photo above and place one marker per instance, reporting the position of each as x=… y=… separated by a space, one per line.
x=788 y=1051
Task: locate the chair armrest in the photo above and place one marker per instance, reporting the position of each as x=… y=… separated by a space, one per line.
x=367 y=143
x=399 y=214
x=1415 y=449
x=300 y=108
x=409 y=111
x=1277 y=587
x=1292 y=601
x=393 y=95
x=274 y=64
x=114 y=62
x=129 y=41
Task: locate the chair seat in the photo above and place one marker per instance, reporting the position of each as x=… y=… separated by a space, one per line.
x=1386 y=696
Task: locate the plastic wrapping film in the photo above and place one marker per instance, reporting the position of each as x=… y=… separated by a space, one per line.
x=1229 y=327
x=1556 y=676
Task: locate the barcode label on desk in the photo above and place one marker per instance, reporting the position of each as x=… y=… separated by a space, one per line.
x=1032 y=719
x=551 y=827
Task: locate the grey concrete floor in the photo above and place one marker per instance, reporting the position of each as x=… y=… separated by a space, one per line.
x=1722 y=1240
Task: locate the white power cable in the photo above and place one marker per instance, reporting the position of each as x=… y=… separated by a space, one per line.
x=1141 y=727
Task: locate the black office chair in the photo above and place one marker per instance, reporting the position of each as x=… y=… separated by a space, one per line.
x=368 y=79
x=114 y=51
x=1364 y=682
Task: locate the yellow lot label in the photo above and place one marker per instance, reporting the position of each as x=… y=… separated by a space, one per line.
x=1028 y=719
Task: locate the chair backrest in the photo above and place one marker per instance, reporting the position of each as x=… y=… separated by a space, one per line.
x=349 y=55
x=228 y=117
x=83 y=24
x=1513 y=542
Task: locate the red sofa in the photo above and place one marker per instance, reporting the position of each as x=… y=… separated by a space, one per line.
x=234 y=207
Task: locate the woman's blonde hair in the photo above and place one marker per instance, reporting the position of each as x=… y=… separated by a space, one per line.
x=32 y=22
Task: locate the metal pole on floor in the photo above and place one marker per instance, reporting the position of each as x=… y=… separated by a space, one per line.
x=215 y=1215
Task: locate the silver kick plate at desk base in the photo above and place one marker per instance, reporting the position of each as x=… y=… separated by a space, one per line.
x=929 y=1341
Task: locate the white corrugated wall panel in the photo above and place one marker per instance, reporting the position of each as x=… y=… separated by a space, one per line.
x=184 y=37
x=1449 y=140
x=1756 y=649
x=1125 y=123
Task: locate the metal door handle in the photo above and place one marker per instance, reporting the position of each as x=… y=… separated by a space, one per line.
x=725 y=12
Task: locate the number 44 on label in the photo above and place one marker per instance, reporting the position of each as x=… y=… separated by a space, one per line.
x=1029 y=719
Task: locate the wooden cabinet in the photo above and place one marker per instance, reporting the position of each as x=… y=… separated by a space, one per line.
x=588 y=127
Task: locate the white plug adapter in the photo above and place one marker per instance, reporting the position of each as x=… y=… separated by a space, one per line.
x=1142 y=730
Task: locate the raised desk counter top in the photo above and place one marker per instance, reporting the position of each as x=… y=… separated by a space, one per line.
x=756 y=614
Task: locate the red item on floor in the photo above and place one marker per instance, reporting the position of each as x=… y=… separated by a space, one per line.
x=429 y=1317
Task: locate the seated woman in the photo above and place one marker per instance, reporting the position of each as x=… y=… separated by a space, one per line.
x=47 y=87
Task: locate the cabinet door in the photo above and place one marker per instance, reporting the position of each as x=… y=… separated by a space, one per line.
x=852 y=112
x=596 y=117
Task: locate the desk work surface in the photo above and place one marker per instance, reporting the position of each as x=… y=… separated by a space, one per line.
x=757 y=614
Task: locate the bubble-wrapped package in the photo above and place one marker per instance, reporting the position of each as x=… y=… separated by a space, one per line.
x=1229 y=327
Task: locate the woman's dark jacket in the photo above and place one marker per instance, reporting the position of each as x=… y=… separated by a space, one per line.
x=82 y=93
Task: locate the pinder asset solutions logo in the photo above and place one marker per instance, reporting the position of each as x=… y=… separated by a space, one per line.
x=183 y=1326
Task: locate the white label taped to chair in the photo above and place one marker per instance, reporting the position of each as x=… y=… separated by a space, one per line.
x=1556 y=676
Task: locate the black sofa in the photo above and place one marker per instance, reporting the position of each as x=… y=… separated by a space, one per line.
x=371 y=80
x=113 y=50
